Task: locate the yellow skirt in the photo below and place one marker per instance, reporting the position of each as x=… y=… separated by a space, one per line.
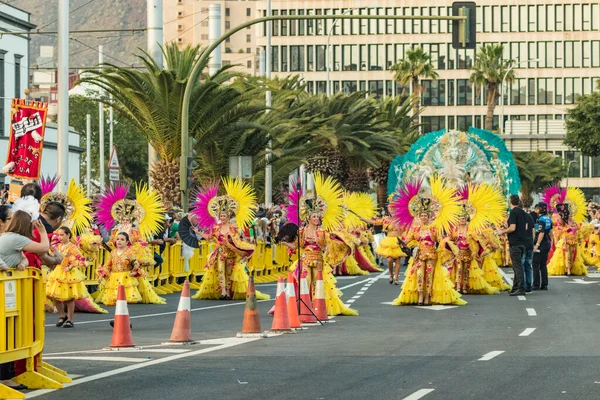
x=352 y=267
x=389 y=248
x=111 y=285
x=477 y=283
x=149 y=296
x=209 y=290
x=491 y=274
x=65 y=285
x=557 y=265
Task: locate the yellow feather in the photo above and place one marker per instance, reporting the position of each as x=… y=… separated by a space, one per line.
x=449 y=207
x=245 y=196
x=331 y=193
x=362 y=204
x=489 y=207
x=82 y=212
x=153 y=211
x=577 y=205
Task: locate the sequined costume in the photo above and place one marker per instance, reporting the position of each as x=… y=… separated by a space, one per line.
x=567 y=252
x=389 y=246
x=65 y=282
x=121 y=268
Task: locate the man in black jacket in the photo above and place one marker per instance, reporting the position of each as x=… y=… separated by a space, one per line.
x=517 y=240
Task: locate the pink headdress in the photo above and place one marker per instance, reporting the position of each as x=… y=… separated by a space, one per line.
x=201 y=205
x=105 y=202
x=401 y=206
x=463 y=193
x=48 y=184
x=554 y=195
x=292 y=209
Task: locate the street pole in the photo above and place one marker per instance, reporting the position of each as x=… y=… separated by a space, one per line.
x=88 y=152
x=101 y=124
x=268 y=167
x=155 y=39
x=214 y=31
x=63 y=96
x=196 y=70
x=110 y=127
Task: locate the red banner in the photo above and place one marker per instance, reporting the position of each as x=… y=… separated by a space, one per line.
x=26 y=143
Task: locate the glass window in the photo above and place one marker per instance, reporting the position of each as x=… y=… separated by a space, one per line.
x=381 y=22
x=496 y=20
x=356 y=23
x=575 y=167
x=464 y=122
x=284 y=24
x=577 y=17
x=327 y=24
x=531 y=91
x=376 y=88
x=433 y=124
x=541 y=18
x=389 y=27
x=505 y=18
x=407 y=22
x=450 y=92
x=284 y=59
x=586 y=86
x=372 y=22
x=301 y=24
x=434 y=93
x=451 y=122
x=523 y=20
x=416 y=24
x=320 y=28
x=363 y=22
x=399 y=24
x=595 y=17
x=433 y=11
x=545 y=89
x=293 y=24
x=401 y=91
x=451 y=57
x=349 y=87
x=376 y=57
x=337 y=57
x=464 y=92
x=389 y=56
x=559 y=54
x=518 y=90
x=569 y=54
x=532 y=18
x=389 y=88
x=595 y=53
x=321 y=87
x=18 y=93
x=310 y=52
x=296 y=58
x=363 y=57
x=275 y=58
x=443 y=11
x=558 y=84
x=569 y=91
x=321 y=58
x=310 y=23
x=568 y=17
x=587 y=17
x=346 y=25
x=595 y=167
x=275 y=26
x=362 y=85
x=336 y=86
x=541 y=51
x=425 y=24
x=350 y=55
x=559 y=17
x=514 y=18
x=550 y=18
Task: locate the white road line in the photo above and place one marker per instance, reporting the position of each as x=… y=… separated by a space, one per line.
x=350 y=301
x=354 y=284
x=231 y=343
x=419 y=394
x=531 y=312
x=507 y=278
x=527 y=332
x=361 y=292
x=95 y=358
x=522 y=298
x=490 y=355
x=124 y=350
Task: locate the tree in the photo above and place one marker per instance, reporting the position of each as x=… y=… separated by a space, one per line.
x=538 y=170
x=152 y=100
x=131 y=147
x=583 y=125
x=416 y=65
x=488 y=72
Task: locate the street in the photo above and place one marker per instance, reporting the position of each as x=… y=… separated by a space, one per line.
x=544 y=346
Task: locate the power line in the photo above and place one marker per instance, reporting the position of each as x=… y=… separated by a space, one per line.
x=189 y=29
x=90 y=47
x=70 y=12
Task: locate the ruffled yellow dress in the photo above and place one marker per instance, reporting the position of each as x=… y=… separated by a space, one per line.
x=65 y=282
x=491 y=274
x=228 y=250
x=557 y=265
x=118 y=271
x=350 y=262
x=389 y=248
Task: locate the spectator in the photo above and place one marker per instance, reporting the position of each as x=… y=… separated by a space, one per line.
x=517 y=240
x=531 y=217
x=543 y=241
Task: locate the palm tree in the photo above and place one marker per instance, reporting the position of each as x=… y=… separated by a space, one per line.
x=538 y=170
x=416 y=65
x=151 y=98
x=488 y=72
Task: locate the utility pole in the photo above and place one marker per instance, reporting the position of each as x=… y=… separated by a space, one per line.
x=88 y=152
x=63 y=95
x=268 y=167
x=155 y=39
x=101 y=124
x=110 y=126
x=214 y=32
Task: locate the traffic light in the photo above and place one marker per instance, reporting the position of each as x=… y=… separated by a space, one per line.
x=464 y=32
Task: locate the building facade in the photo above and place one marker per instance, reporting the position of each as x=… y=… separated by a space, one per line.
x=555 y=45
x=185 y=22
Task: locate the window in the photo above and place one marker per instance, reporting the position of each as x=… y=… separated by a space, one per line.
x=321 y=58
x=389 y=56
x=284 y=59
x=284 y=24
x=248 y=50
x=595 y=16
x=568 y=17
x=558 y=84
x=402 y=91
x=362 y=86
x=376 y=57
x=337 y=57
x=531 y=91
x=319 y=24
x=389 y=28
x=575 y=167
x=376 y=88
x=310 y=23
x=336 y=87
x=350 y=57
x=464 y=122
x=545 y=91
x=451 y=57
x=248 y=38
x=559 y=54
x=17 y=77
x=532 y=19
x=310 y=87
x=227 y=25
x=577 y=17
x=249 y=64
x=363 y=57
x=296 y=58
x=558 y=18
x=569 y=90
x=451 y=92
x=464 y=92
x=321 y=87
x=505 y=18
x=434 y=93
x=523 y=20
x=595 y=167
x=274 y=58
x=550 y=18
x=595 y=55
x=541 y=15
x=349 y=87
x=518 y=92
x=301 y=24
x=310 y=51
x=433 y=124
x=293 y=24
x=227 y=12
x=363 y=22
x=248 y=12
x=372 y=22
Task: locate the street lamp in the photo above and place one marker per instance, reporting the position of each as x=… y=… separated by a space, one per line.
x=569 y=170
x=503 y=91
x=329 y=55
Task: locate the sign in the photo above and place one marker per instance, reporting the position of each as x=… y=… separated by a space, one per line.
x=26 y=141
x=240 y=167
x=10 y=296
x=113 y=163
x=14 y=191
x=113 y=174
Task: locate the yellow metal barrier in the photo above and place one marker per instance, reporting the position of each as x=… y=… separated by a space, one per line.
x=22 y=332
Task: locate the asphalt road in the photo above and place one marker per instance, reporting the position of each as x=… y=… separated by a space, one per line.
x=544 y=346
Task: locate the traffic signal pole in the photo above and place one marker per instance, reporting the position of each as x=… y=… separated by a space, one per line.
x=193 y=78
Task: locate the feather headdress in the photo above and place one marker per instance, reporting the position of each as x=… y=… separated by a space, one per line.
x=575 y=198
x=292 y=212
x=29 y=205
x=77 y=205
x=554 y=195
x=104 y=204
x=328 y=201
x=358 y=205
x=201 y=206
x=152 y=212
x=403 y=207
x=483 y=204
x=48 y=184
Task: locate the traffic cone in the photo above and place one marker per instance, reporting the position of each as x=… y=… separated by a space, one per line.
x=182 y=329
x=280 y=319
x=251 y=322
x=121 y=331
x=319 y=304
x=292 y=306
x=306 y=309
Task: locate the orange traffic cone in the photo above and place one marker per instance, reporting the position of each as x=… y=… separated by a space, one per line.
x=292 y=306
x=251 y=322
x=280 y=318
x=306 y=310
x=182 y=329
x=319 y=304
x=121 y=331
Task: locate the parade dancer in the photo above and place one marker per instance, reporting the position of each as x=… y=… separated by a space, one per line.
x=389 y=247
x=321 y=215
x=220 y=218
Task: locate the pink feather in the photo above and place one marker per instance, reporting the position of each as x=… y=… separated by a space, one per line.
x=292 y=207
x=463 y=192
x=203 y=198
x=48 y=184
x=104 y=203
x=400 y=206
x=552 y=191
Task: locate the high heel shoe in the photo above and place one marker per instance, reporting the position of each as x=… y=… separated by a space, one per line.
x=396 y=282
x=391 y=281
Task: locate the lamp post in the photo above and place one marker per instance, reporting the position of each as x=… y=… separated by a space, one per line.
x=502 y=92
x=329 y=55
x=569 y=170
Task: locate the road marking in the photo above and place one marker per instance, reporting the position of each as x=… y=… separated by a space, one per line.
x=95 y=358
x=361 y=292
x=75 y=376
x=123 y=350
x=490 y=355
x=436 y=307
x=531 y=312
x=367 y=285
x=350 y=301
x=391 y=303
x=582 y=282
x=505 y=276
x=419 y=394
x=352 y=284
x=230 y=342
x=522 y=298
x=527 y=332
